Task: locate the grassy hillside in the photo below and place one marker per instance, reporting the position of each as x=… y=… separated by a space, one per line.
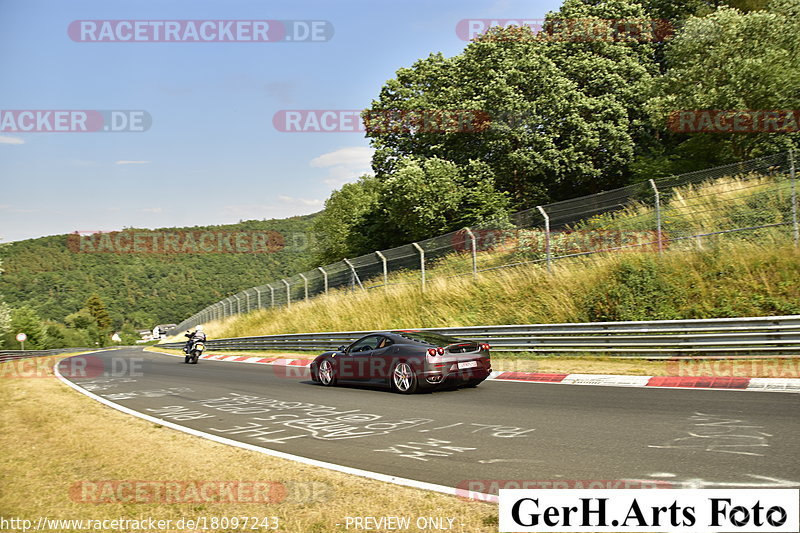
x=55 y=277
x=725 y=281
x=751 y=273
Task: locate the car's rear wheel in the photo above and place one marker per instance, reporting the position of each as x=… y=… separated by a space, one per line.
x=327 y=375
x=404 y=380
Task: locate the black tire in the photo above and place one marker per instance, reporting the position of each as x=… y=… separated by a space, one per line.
x=186 y=359
x=403 y=378
x=326 y=373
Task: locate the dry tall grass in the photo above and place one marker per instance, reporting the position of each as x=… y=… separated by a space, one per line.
x=739 y=275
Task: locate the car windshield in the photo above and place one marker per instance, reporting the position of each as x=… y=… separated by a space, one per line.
x=427 y=337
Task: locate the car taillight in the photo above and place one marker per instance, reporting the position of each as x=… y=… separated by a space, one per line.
x=432 y=351
x=485 y=347
x=440 y=351
x=436 y=351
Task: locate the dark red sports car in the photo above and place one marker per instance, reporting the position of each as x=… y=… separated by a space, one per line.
x=406 y=361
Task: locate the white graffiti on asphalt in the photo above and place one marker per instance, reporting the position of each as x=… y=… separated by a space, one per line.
x=717 y=433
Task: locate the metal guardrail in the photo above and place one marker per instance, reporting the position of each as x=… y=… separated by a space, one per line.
x=9 y=355
x=774 y=335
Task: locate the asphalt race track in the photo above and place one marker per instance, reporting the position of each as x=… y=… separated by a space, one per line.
x=536 y=432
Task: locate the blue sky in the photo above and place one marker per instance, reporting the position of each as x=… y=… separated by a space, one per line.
x=212 y=154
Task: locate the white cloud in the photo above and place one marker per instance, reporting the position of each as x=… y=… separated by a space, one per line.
x=127 y=162
x=284 y=206
x=345 y=164
x=310 y=202
x=5 y=139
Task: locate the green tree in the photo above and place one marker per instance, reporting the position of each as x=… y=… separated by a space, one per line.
x=344 y=210
x=679 y=10
x=26 y=320
x=128 y=335
x=97 y=309
x=565 y=114
x=5 y=321
x=434 y=196
x=731 y=60
x=56 y=337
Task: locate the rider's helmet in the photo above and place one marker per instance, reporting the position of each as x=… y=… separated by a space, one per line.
x=199 y=327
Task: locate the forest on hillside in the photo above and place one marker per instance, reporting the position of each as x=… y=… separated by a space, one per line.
x=53 y=277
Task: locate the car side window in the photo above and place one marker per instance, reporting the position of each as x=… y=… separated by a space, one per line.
x=365 y=345
x=384 y=342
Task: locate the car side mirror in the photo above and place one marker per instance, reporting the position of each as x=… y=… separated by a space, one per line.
x=341 y=348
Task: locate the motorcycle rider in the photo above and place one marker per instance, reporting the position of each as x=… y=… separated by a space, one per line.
x=194 y=336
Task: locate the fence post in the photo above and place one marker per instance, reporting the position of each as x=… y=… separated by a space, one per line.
x=421 y=262
x=546 y=236
x=258 y=298
x=288 y=293
x=230 y=306
x=658 y=217
x=474 y=253
x=271 y=296
x=305 y=285
x=247 y=305
x=238 y=304
x=355 y=274
x=325 y=277
x=385 y=271
x=794 y=198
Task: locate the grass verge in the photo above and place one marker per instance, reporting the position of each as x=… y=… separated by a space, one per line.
x=53 y=437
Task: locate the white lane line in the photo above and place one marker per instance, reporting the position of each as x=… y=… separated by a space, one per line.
x=604 y=380
x=453 y=491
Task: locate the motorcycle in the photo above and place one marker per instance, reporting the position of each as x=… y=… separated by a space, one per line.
x=195 y=351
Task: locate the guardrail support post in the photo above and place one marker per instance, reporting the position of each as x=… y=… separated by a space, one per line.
x=355 y=274
x=474 y=247
x=546 y=236
x=658 y=217
x=385 y=271
x=305 y=285
x=794 y=198
x=288 y=293
x=324 y=277
x=421 y=263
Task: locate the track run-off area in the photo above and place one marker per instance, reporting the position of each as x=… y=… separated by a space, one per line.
x=468 y=442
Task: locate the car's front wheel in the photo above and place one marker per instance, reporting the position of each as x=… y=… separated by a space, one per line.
x=404 y=380
x=327 y=375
